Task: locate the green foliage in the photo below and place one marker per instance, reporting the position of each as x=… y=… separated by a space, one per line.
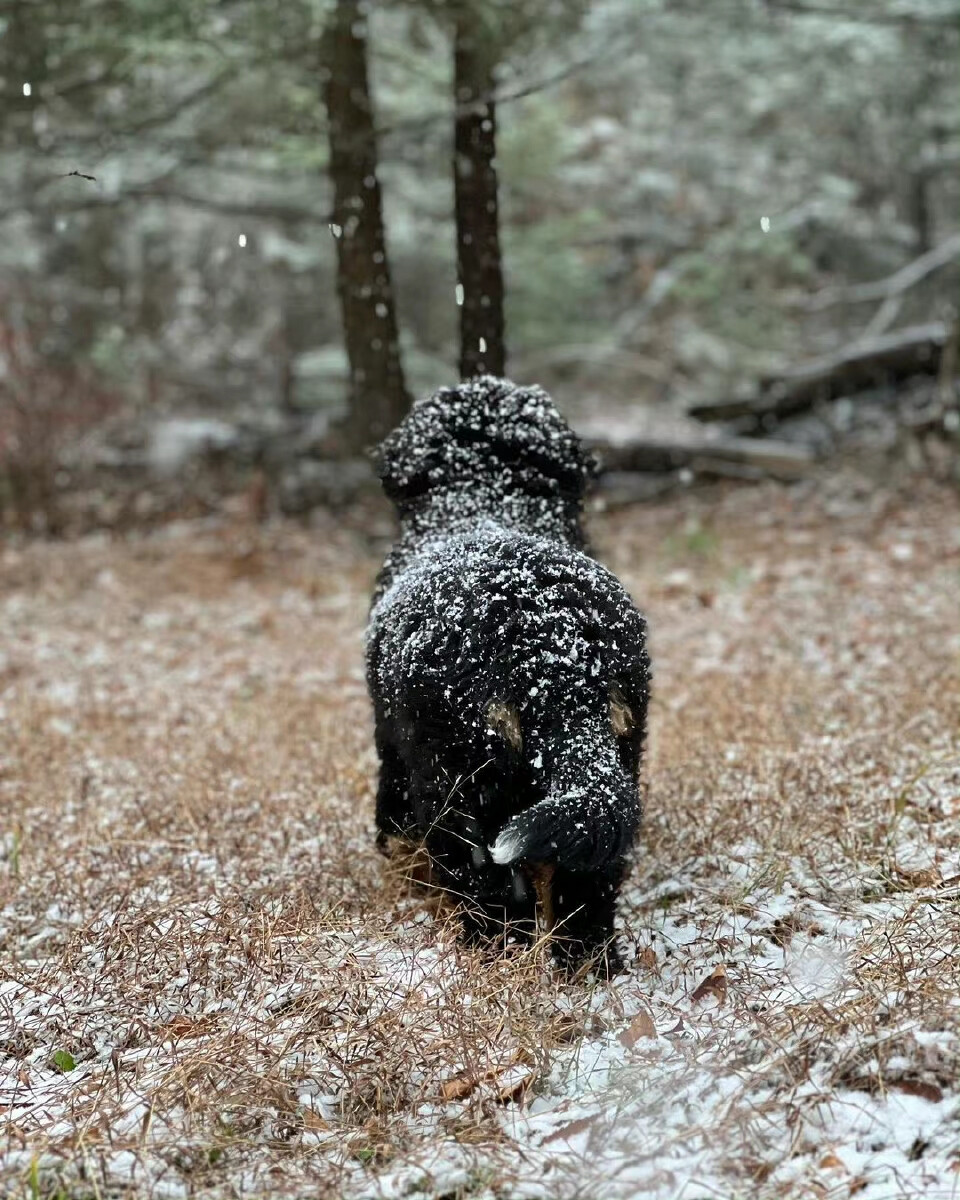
x=301 y=152
x=531 y=145
x=63 y=1060
x=554 y=292
x=510 y=28
x=15 y=841
x=733 y=285
x=108 y=352
x=741 y=266
x=695 y=540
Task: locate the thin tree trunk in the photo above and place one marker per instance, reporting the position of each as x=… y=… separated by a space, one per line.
x=23 y=55
x=919 y=204
x=479 y=272
x=378 y=393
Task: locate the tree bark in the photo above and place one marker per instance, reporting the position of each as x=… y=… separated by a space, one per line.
x=479 y=273
x=23 y=57
x=921 y=216
x=378 y=393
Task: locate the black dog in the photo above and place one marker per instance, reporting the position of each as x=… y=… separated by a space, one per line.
x=507 y=668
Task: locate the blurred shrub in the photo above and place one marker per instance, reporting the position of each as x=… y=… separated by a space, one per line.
x=44 y=405
x=552 y=286
x=734 y=285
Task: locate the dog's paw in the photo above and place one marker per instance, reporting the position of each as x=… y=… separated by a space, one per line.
x=495 y=928
x=577 y=960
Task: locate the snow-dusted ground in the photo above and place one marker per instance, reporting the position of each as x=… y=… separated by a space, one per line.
x=211 y=985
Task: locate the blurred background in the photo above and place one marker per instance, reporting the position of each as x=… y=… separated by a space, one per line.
x=236 y=239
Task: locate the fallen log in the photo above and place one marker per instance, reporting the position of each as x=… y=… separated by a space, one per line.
x=738 y=457
x=896 y=356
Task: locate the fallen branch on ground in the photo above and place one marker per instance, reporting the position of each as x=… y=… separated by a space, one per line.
x=916 y=350
x=752 y=458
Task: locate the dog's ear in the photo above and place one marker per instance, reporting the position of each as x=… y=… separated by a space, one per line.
x=393 y=467
x=422 y=449
x=543 y=446
x=406 y=457
x=587 y=468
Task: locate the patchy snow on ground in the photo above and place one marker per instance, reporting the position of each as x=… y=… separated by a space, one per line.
x=211 y=984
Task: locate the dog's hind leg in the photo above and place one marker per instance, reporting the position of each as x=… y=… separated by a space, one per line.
x=494 y=921
x=584 y=905
x=495 y=904
x=394 y=815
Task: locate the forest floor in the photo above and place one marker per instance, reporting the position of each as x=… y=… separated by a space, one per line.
x=211 y=984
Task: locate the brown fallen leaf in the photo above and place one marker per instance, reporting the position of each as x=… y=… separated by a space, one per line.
x=714 y=985
x=572 y=1129
x=91 y=1136
x=185 y=1027
x=461 y=1086
x=647 y=958
x=916 y=1087
x=641 y=1026
x=857 y=1185
x=830 y=1160
x=923 y=877
x=758 y=1170
x=514 y=1091
x=312 y=1120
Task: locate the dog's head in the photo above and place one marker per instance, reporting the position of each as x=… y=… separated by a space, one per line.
x=486 y=433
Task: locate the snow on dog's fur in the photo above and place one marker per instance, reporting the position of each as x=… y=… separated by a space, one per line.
x=507 y=668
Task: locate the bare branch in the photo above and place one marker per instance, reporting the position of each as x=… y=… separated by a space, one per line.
x=900 y=17
x=893 y=285
x=290 y=213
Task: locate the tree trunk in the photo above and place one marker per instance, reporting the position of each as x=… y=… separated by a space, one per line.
x=23 y=57
x=479 y=273
x=378 y=393
x=921 y=216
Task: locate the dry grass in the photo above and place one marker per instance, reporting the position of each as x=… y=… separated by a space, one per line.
x=211 y=984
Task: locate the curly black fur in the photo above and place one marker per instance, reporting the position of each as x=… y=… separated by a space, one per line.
x=507 y=668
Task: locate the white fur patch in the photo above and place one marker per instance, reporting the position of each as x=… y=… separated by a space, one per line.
x=507 y=847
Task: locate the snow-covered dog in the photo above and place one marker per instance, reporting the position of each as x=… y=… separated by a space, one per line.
x=507 y=668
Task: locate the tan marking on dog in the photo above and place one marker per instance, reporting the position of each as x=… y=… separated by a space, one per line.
x=542 y=876
x=621 y=715
x=503 y=719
